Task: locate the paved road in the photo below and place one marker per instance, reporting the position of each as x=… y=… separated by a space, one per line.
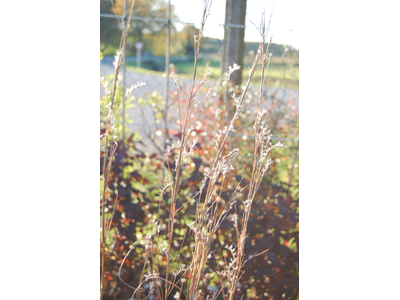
x=143 y=120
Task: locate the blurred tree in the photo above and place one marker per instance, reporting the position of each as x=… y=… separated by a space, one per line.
x=141 y=30
x=110 y=31
x=187 y=34
x=182 y=42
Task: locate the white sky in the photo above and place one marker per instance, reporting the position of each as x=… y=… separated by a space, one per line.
x=284 y=22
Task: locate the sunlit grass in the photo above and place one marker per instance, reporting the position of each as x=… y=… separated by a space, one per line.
x=280 y=73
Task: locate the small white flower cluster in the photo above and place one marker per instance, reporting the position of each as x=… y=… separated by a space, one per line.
x=228 y=74
x=117 y=59
x=134 y=87
x=177 y=295
x=105 y=86
x=175 y=145
x=167 y=183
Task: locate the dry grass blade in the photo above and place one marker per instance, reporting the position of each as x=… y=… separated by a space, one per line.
x=108 y=154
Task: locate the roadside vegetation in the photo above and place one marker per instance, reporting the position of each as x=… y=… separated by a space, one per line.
x=214 y=214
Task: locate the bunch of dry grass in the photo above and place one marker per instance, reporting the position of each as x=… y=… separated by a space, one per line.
x=209 y=210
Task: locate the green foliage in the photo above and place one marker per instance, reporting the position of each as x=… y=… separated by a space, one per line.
x=156 y=101
x=118 y=105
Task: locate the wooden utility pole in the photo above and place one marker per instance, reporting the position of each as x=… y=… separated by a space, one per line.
x=233 y=45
